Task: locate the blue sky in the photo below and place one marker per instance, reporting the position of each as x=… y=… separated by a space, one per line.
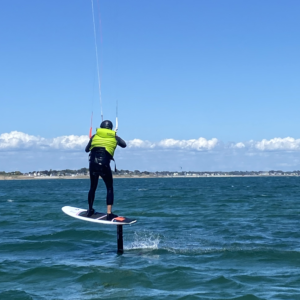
x=180 y=70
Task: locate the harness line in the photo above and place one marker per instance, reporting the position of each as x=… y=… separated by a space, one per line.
x=96 y=50
x=98 y=74
x=91 y=129
x=117 y=124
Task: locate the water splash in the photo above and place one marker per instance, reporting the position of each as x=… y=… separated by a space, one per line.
x=145 y=240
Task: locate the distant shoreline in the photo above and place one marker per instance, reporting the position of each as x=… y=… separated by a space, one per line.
x=22 y=177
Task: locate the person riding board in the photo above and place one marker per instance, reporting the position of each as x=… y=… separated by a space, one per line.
x=102 y=146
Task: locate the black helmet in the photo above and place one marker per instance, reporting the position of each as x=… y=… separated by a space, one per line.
x=106 y=124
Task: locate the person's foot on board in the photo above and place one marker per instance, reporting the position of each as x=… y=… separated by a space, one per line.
x=111 y=216
x=90 y=212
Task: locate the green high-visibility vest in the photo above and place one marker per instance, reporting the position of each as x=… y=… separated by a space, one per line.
x=105 y=138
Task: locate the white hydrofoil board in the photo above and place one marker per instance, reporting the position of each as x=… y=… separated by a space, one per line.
x=80 y=213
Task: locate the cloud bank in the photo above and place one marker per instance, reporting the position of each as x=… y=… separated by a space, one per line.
x=24 y=152
x=194 y=144
x=16 y=140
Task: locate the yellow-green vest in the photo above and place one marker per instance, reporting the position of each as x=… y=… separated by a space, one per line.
x=105 y=138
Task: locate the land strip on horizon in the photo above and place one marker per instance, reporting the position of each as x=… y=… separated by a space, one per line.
x=83 y=173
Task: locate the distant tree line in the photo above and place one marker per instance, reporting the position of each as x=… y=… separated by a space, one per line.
x=3 y=173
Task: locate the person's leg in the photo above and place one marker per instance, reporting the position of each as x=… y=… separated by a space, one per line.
x=108 y=180
x=93 y=186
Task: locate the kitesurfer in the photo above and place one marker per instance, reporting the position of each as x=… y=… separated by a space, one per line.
x=102 y=146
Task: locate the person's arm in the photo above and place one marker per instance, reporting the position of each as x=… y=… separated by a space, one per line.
x=88 y=146
x=121 y=142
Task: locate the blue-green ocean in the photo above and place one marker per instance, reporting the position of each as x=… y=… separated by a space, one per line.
x=196 y=238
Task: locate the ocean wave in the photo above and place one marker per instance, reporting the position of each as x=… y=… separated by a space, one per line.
x=15 y=295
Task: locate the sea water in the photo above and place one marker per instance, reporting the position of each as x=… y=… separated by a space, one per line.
x=196 y=238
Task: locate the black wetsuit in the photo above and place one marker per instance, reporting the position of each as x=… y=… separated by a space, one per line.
x=99 y=165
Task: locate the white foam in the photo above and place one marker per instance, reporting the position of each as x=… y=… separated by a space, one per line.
x=145 y=240
x=9 y=200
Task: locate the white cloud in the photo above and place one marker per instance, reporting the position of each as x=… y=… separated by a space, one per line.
x=137 y=143
x=285 y=144
x=16 y=140
x=71 y=142
x=199 y=144
x=239 y=145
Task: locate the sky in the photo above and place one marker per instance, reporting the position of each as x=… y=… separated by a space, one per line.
x=200 y=85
